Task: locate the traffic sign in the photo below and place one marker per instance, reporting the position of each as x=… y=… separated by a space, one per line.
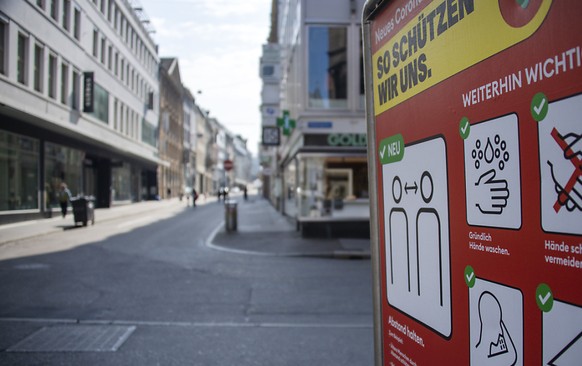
x=228 y=165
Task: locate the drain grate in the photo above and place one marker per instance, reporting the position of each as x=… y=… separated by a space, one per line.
x=75 y=338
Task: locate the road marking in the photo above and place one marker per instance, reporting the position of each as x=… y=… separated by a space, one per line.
x=146 y=323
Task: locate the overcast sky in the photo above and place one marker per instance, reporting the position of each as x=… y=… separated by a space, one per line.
x=218 y=45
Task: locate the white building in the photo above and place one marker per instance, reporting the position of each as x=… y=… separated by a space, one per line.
x=322 y=176
x=78 y=104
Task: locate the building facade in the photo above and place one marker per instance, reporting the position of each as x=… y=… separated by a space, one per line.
x=171 y=175
x=321 y=170
x=78 y=104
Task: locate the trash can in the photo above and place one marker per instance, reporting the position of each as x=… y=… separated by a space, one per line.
x=84 y=209
x=230 y=215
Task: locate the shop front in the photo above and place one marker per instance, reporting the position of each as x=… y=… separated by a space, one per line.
x=35 y=162
x=325 y=185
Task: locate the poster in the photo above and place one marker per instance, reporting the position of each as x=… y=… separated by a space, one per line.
x=477 y=126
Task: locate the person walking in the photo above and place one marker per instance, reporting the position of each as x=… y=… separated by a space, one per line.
x=64 y=198
x=194 y=197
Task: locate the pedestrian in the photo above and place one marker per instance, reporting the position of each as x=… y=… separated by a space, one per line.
x=245 y=192
x=194 y=197
x=64 y=198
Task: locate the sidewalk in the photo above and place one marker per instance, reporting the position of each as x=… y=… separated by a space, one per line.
x=261 y=230
x=32 y=228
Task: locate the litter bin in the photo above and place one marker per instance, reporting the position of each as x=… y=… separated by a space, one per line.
x=230 y=215
x=84 y=209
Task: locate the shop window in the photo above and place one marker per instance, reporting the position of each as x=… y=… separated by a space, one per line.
x=327 y=67
x=62 y=164
x=19 y=156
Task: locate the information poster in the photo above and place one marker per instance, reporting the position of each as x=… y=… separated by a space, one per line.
x=478 y=160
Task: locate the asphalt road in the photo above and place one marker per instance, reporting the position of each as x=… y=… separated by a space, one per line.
x=176 y=301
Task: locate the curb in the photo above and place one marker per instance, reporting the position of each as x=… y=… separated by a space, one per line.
x=335 y=254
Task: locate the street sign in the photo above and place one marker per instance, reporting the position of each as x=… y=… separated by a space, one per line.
x=475 y=151
x=228 y=165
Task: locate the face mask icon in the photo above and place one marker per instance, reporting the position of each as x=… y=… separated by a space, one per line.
x=495 y=346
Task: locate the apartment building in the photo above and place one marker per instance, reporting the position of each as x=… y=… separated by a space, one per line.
x=78 y=104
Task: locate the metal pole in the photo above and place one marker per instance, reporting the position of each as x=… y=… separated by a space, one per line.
x=369 y=7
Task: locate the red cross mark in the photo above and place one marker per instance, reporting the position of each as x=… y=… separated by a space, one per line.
x=563 y=196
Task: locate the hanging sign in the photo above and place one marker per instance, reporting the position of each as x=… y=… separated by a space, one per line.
x=88 y=92
x=475 y=146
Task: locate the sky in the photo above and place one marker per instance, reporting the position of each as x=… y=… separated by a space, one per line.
x=218 y=44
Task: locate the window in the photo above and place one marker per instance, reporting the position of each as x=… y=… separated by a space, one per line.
x=52 y=74
x=40 y=4
x=103 y=51
x=110 y=58
x=116 y=63
x=3 y=28
x=21 y=58
x=76 y=90
x=66 y=14
x=327 y=67
x=62 y=164
x=95 y=42
x=55 y=10
x=101 y=103
x=115 y=112
x=109 y=10
x=77 y=24
x=19 y=171
x=122 y=69
x=64 y=83
x=38 y=67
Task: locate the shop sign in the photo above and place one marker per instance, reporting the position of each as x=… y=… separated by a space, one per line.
x=286 y=123
x=336 y=140
x=88 y=92
x=475 y=175
x=271 y=136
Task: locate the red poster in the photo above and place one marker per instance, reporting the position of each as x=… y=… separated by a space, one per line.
x=478 y=126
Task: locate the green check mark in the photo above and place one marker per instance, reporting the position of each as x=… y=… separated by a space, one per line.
x=464 y=128
x=470 y=276
x=544 y=297
x=539 y=107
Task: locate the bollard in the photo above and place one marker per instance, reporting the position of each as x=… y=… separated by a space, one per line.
x=230 y=215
